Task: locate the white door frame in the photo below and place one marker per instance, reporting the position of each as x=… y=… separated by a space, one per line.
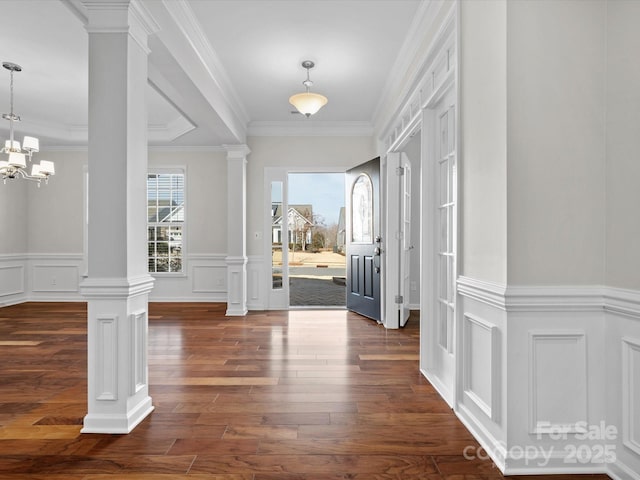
x=278 y=299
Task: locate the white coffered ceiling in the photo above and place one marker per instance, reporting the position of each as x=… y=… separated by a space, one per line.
x=218 y=68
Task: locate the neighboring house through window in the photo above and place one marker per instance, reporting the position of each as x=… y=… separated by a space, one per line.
x=165 y=221
x=299 y=222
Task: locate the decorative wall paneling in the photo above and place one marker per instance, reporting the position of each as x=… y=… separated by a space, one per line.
x=106 y=373
x=557 y=372
x=57 y=277
x=481 y=374
x=622 y=317
x=550 y=377
x=12 y=279
x=256 y=299
x=205 y=281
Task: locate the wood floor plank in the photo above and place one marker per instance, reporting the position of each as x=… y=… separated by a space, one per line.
x=300 y=395
x=405 y=465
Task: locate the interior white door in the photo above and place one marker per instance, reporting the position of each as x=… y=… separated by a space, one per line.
x=438 y=355
x=398 y=263
x=405 y=235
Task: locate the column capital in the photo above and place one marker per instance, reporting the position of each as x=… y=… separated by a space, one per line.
x=237 y=151
x=120 y=16
x=93 y=288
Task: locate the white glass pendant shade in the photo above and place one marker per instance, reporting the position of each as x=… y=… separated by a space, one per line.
x=36 y=171
x=17 y=160
x=8 y=146
x=31 y=144
x=47 y=167
x=308 y=103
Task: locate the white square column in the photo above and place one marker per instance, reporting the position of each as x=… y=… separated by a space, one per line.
x=118 y=283
x=237 y=229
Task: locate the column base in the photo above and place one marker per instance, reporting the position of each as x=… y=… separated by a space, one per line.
x=236 y=312
x=117 y=423
x=237 y=286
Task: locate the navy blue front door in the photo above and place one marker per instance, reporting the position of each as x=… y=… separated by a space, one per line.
x=363 y=242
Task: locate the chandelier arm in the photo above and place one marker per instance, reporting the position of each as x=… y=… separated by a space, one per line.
x=26 y=176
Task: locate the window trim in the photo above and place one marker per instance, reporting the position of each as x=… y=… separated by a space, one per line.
x=164 y=171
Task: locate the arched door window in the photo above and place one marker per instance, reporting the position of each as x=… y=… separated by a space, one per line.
x=362 y=210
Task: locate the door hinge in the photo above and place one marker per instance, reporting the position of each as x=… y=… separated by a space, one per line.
x=399 y=171
x=399 y=299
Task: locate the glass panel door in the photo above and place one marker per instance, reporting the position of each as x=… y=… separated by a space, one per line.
x=277 y=222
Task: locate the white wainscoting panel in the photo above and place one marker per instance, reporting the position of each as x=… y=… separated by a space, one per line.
x=209 y=279
x=107 y=371
x=481 y=400
x=480 y=377
x=236 y=291
x=11 y=280
x=255 y=283
x=557 y=381
x=204 y=280
x=631 y=393
x=55 y=278
x=138 y=335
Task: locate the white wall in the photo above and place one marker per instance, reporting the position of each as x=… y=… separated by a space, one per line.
x=55 y=210
x=556 y=141
x=14 y=211
x=206 y=198
x=623 y=145
x=14 y=214
x=483 y=143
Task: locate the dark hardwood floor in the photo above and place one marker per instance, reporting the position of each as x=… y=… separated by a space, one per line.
x=275 y=395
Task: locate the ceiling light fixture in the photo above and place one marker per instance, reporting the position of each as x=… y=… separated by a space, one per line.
x=308 y=103
x=16 y=164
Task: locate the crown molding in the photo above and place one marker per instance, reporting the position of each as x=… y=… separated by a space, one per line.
x=78 y=9
x=416 y=55
x=310 y=128
x=187 y=149
x=170 y=131
x=150 y=148
x=78 y=134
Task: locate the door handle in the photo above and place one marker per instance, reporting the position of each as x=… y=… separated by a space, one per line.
x=376 y=252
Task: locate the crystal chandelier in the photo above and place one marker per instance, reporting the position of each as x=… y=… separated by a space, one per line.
x=15 y=166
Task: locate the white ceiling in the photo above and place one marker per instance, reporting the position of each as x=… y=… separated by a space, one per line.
x=254 y=49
